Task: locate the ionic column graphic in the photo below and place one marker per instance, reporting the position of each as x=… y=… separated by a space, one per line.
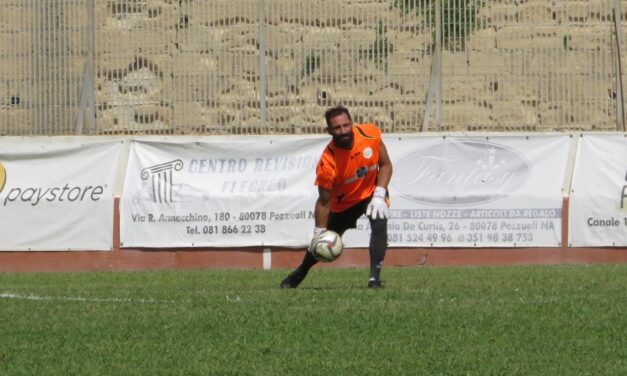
x=162 y=179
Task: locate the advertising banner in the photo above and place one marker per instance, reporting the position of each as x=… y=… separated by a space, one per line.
x=598 y=199
x=445 y=192
x=474 y=191
x=57 y=196
x=233 y=191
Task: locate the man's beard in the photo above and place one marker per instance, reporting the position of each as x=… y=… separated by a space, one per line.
x=344 y=141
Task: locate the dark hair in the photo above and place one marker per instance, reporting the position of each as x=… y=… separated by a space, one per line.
x=335 y=111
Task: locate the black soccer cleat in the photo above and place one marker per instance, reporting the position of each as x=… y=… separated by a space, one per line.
x=375 y=284
x=292 y=281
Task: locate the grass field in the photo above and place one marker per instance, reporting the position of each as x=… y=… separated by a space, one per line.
x=549 y=320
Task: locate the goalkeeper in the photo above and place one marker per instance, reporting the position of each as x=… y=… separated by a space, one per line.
x=352 y=178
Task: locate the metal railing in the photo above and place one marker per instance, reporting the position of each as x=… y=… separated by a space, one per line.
x=96 y=67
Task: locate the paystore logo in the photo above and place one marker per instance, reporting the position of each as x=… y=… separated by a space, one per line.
x=36 y=195
x=3 y=177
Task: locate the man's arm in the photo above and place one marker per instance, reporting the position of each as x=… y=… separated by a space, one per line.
x=385 y=167
x=378 y=206
x=323 y=207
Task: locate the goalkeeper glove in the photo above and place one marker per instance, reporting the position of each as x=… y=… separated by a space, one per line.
x=378 y=206
x=314 y=240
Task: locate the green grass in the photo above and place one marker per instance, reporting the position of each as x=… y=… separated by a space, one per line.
x=551 y=320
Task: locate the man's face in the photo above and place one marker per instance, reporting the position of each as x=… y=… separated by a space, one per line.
x=341 y=129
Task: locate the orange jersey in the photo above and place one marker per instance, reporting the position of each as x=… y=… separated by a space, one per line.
x=351 y=175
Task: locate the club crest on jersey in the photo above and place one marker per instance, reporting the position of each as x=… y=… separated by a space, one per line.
x=361 y=172
x=368 y=152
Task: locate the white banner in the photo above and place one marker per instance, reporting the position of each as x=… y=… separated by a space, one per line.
x=233 y=191
x=57 y=196
x=598 y=199
x=459 y=192
x=474 y=191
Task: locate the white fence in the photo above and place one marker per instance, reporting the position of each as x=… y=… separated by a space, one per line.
x=272 y=66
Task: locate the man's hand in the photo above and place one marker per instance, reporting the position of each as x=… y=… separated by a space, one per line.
x=314 y=240
x=378 y=208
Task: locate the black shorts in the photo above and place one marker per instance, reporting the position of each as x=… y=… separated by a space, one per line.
x=342 y=221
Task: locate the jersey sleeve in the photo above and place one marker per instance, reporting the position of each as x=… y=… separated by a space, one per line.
x=370 y=130
x=325 y=171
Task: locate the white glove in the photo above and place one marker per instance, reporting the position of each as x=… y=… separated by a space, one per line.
x=314 y=240
x=378 y=208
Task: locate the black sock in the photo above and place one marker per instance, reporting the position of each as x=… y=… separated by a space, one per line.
x=378 y=246
x=305 y=265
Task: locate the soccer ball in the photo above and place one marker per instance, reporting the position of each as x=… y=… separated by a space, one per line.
x=328 y=247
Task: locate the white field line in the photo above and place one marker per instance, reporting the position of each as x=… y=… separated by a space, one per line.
x=8 y=295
